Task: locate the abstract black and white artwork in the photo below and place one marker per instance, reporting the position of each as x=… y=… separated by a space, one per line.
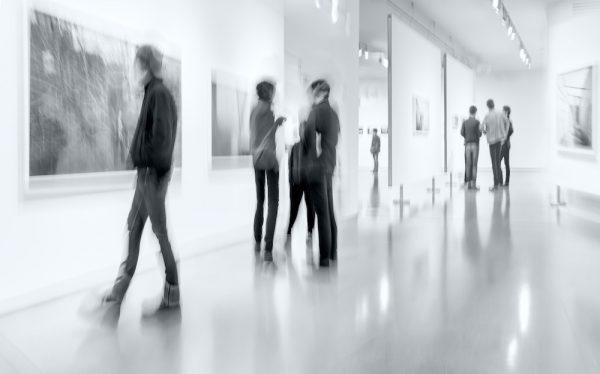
x=84 y=103
x=420 y=115
x=230 y=116
x=575 y=122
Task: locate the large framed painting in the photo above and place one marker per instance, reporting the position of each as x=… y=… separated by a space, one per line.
x=230 y=115
x=83 y=104
x=420 y=115
x=576 y=126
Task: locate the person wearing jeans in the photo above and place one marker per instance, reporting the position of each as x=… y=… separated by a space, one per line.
x=151 y=153
x=298 y=188
x=324 y=121
x=472 y=133
x=266 y=167
x=506 y=147
x=495 y=126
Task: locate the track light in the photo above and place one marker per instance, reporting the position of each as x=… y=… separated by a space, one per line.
x=512 y=36
x=495 y=4
x=510 y=30
x=360 y=52
x=318 y=4
x=366 y=54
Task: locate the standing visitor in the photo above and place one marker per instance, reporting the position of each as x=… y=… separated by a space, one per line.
x=263 y=147
x=472 y=133
x=506 y=147
x=375 y=148
x=495 y=126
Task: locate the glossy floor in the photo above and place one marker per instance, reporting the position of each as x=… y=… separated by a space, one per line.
x=476 y=283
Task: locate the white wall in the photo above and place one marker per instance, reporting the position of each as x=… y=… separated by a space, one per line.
x=416 y=67
x=54 y=243
x=524 y=92
x=573 y=43
x=460 y=81
x=317 y=48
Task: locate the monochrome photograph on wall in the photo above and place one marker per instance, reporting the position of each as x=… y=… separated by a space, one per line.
x=84 y=101
x=420 y=115
x=575 y=122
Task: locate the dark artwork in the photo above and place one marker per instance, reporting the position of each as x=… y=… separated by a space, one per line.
x=575 y=109
x=84 y=104
x=230 y=117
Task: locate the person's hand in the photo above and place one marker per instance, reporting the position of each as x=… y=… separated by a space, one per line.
x=279 y=121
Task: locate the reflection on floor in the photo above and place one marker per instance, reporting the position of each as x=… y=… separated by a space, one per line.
x=477 y=283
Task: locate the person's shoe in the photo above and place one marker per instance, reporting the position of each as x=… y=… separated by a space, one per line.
x=505 y=185
x=257 y=247
x=268 y=256
x=309 y=236
x=333 y=256
x=170 y=299
x=475 y=188
x=117 y=293
x=492 y=189
x=324 y=263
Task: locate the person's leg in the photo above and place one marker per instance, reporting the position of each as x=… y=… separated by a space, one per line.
x=259 y=179
x=376 y=155
x=506 y=156
x=469 y=164
x=155 y=205
x=273 y=186
x=333 y=250
x=310 y=208
x=318 y=193
x=498 y=163
x=492 y=157
x=295 y=199
x=474 y=166
x=135 y=225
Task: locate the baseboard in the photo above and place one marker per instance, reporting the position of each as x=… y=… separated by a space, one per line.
x=192 y=248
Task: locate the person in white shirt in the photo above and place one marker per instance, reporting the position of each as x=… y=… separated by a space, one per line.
x=495 y=126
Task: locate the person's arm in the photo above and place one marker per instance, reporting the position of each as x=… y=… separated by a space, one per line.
x=479 y=129
x=462 y=129
x=161 y=139
x=510 y=129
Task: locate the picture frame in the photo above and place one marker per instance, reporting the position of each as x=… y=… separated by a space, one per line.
x=92 y=166
x=420 y=121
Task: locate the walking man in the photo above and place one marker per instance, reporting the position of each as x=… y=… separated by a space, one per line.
x=375 y=148
x=151 y=153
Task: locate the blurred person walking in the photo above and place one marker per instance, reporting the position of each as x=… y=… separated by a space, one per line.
x=263 y=147
x=495 y=126
x=471 y=131
x=506 y=147
x=151 y=153
x=375 y=148
x=320 y=137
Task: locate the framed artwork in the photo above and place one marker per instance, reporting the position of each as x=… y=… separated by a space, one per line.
x=230 y=114
x=576 y=115
x=360 y=131
x=384 y=130
x=83 y=105
x=420 y=115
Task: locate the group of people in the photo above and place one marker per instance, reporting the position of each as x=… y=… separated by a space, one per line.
x=311 y=163
x=498 y=128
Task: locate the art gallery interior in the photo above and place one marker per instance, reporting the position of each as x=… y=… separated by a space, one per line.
x=431 y=277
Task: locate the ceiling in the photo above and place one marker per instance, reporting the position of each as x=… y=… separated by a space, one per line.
x=470 y=27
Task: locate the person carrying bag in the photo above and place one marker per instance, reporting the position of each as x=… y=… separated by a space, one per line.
x=263 y=149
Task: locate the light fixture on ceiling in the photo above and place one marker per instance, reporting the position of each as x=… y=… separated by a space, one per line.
x=511 y=31
x=360 y=52
x=318 y=4
x=366 y=54
x=334 y=11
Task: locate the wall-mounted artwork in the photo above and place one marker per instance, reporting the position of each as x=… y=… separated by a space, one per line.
x=230 y=99
x=420 y=115
x=575 y=103
x=83 y=100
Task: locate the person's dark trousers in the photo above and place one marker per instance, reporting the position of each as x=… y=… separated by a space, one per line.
x=318 y=193
x=296 y=192
x=376 y=161
x=495 y=153
x=149 y=201
x=272 y=177
x=471 y=157
x=333 y=252
x=506 y=157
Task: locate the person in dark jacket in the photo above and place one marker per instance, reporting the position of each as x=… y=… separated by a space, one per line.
x=471 y=131
x=321 y=158
x=298 y=188
x=151 y=154
x=506 y=146
x=375 y=148
x=262 y=145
